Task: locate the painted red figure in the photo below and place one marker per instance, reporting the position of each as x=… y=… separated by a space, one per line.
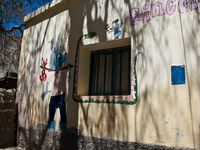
x=107 y=27
x=43 y=76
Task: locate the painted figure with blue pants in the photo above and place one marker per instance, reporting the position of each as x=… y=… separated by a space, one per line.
x=58 y=81
x=58 y=94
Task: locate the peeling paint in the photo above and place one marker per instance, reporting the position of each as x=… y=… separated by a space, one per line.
x=179 y=133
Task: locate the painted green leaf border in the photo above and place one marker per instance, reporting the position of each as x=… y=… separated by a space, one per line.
x=103 y=101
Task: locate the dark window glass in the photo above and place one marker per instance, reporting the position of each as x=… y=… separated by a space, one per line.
x=110 y=72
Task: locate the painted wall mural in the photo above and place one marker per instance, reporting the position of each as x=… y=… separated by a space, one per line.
x=183 y=6
x=58 y=80
x=32 y=78
x=116 y=25
x=43 y=75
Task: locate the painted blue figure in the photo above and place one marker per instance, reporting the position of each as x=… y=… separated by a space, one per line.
x=55 y=50
x=59 y=86
x=116 y=25
x=58 y=93
x=59 y=60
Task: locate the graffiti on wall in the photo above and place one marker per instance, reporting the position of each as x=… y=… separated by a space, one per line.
x=32 y=78
x=157 y=10
x=116 y=25
x=58 y=80
x=43 y=75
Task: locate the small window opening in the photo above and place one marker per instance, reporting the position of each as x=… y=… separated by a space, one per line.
x=110 y=71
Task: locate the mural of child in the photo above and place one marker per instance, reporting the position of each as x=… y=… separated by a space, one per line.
x=58 y=80
x=58 y=94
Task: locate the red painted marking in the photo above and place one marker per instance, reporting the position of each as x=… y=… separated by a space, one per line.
x=43 y=76
x=107 y=27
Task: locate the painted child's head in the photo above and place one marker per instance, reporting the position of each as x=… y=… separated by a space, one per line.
x=59 y=60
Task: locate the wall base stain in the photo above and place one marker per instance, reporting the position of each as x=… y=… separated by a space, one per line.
x=33 y=138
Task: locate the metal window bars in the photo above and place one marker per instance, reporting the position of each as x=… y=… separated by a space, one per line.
x=115 y=75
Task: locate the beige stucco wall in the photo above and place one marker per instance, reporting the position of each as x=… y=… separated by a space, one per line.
x=164 y=114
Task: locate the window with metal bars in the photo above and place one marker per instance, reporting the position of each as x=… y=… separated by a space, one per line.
x=110 y=71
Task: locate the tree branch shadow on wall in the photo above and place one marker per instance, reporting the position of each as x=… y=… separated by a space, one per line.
x=61 y=140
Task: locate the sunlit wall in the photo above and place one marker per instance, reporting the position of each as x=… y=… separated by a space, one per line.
x=164 y=111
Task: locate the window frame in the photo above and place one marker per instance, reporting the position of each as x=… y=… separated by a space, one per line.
x=79 y=71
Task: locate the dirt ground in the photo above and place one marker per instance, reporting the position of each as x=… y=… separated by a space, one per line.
x=12 y=148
